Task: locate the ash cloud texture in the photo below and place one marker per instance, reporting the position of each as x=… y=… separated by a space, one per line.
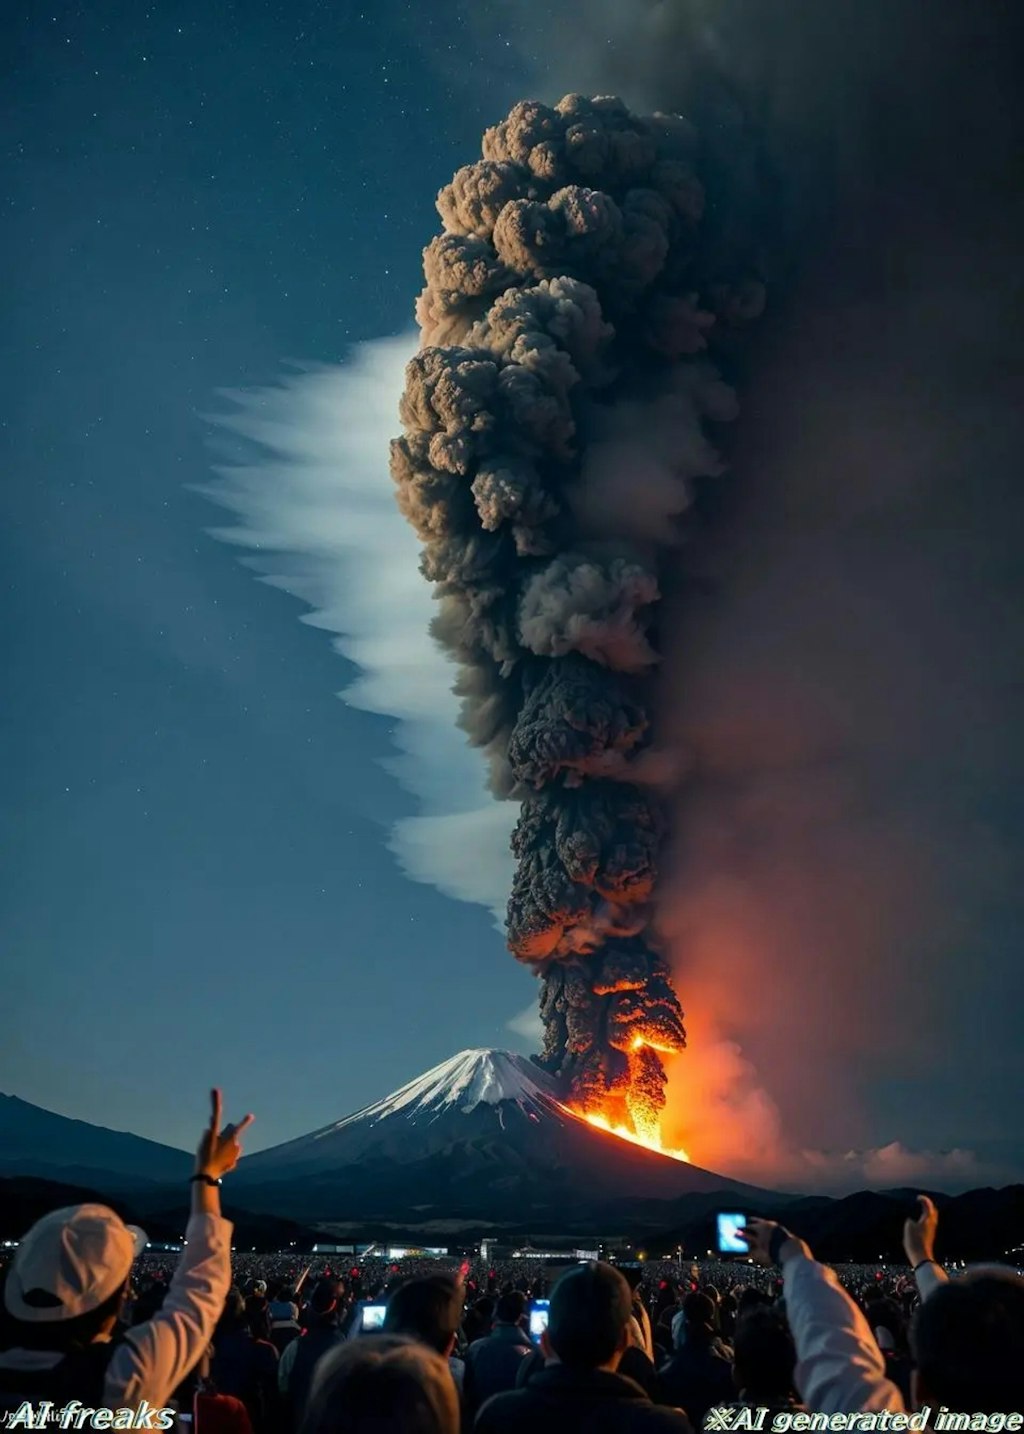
x=842 y=676
x=575 y=276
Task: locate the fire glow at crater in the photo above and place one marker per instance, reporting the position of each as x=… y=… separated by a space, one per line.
x=647 y=1141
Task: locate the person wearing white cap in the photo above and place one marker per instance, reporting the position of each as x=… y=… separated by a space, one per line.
x=66 y=1284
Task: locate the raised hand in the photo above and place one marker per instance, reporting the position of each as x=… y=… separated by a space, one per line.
x=919 y=1235
x=219 y=1150
x=757 y=1236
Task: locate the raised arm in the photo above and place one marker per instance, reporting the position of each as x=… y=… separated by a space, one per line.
x=919 y=1247
x=156 y=1356
x=839 y=1364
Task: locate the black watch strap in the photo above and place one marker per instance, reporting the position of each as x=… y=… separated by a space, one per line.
x=202 y=1179
x=779 y=1237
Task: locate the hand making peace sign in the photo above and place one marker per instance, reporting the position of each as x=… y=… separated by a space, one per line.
x=219 y=1150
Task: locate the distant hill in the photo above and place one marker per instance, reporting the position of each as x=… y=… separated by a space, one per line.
x=24 y=1199
x=37 y=1142
x=478 y=1145
x=867 y=1227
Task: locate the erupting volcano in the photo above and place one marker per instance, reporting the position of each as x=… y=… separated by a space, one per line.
x=556 y=420
x=481 y=1138
x=650 y=1141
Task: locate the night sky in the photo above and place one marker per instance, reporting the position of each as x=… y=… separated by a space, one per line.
x=196 y=885
x=200 y=882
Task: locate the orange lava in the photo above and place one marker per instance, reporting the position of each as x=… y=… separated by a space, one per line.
x=647 y=1142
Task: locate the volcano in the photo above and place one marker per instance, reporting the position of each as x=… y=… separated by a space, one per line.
x=481 y=1139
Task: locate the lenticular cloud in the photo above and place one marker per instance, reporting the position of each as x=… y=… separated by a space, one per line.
x=306 y=480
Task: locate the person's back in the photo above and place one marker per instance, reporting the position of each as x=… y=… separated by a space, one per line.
x=301 y=1358
x=80 y=1374
x=968 y=1343
x=478 y=1318
x=698 y=1376
x=560 y=1400
x=310 y=1348
x=237 y=1366
x=493 y=1362
x=245 y=1365
x=284 y=1319
x=428 y=1308
x=764 y=1363
x=636 y=1365
x=212 y=1412
x=579 y=1386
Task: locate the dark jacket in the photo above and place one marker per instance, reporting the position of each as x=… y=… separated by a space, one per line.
x=696 y=1378
x=318 y=1340
x=635 y=1365
x=247 y=1369
x=558 y=1400
x=492 y=1363
x=78 y=1375
x=774 y=1404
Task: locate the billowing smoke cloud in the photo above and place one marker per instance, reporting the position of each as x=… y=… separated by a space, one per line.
x=556 y=422
x=840 y=671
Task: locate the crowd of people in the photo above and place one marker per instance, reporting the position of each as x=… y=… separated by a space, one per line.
x=257 y=1345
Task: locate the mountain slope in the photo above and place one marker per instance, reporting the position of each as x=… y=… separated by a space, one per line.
x=481 y=1136
x=38 y=1142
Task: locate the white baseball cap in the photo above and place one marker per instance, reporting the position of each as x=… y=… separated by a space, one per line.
x=69 y=1263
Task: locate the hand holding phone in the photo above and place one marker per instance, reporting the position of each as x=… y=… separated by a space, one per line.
x=728 y=1225
x=538 y=1318
x=372 y=1320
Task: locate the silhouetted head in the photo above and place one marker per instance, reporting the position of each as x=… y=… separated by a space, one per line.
x=968 y=1343
x=764 y=1357
x=588 y=1319
x=428 y=1308
x=382 y=1384
x=511 y=1307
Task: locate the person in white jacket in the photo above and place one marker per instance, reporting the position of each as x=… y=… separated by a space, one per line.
x=66 y=1285
x=968 y=1338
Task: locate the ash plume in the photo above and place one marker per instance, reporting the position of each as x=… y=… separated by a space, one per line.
x=556 y=423
x=841 y=897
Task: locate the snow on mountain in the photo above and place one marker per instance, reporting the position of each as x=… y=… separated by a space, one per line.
x=495 y=1086
x=471 y=1078
x=481 y=1136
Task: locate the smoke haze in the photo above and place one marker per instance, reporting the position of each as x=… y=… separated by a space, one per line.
x=842 y=675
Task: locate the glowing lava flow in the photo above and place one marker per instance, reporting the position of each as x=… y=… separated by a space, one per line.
x=652 y=1142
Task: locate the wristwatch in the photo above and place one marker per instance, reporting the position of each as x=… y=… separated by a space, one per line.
x=202 y=1178
x=779 y=1237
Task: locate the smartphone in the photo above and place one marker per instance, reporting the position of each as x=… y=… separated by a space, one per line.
x=728 y=1226
x=538 y=1318
x=373 y=1318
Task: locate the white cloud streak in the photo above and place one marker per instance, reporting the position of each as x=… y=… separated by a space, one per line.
x=314 y=506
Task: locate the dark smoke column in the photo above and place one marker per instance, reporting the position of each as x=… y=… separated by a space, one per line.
x=555 y=421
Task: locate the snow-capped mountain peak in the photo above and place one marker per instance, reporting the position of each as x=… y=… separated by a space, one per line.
x=483 y=1131
x=487 y=1085
x=466 y=1080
